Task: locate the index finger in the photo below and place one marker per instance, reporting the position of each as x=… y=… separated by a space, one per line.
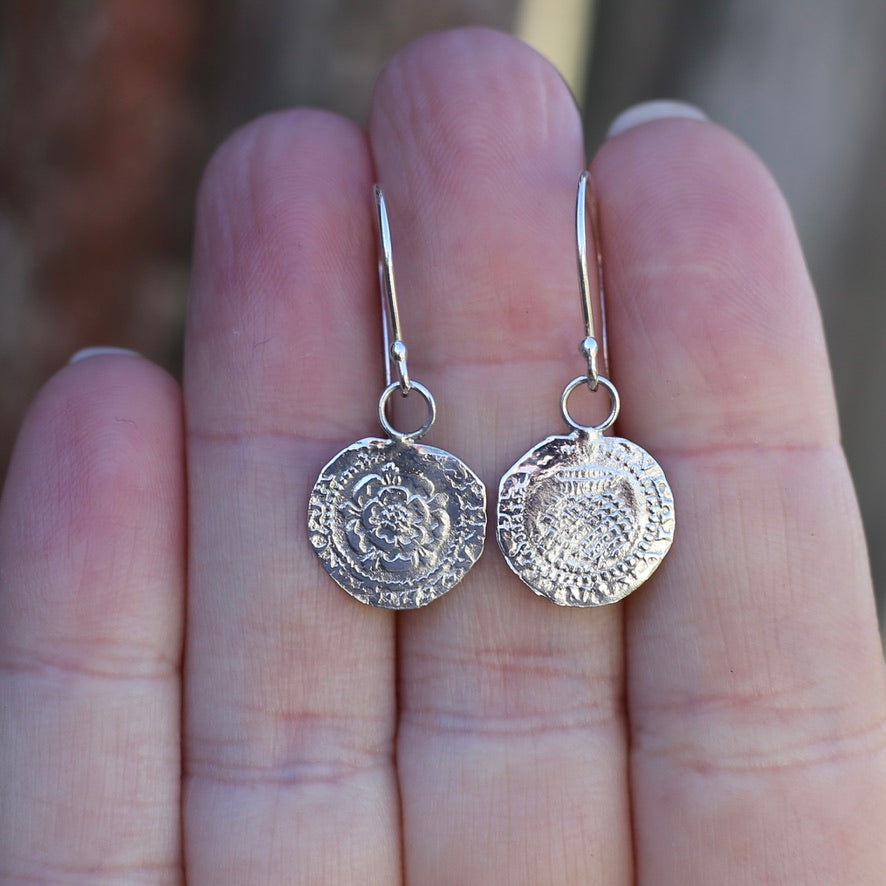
x=289 y=700
x=755 y=679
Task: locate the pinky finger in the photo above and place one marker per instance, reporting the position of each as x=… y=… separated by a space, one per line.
x=91 y=586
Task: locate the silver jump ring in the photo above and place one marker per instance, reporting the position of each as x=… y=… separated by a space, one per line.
x=590 y=429
x=390 y=430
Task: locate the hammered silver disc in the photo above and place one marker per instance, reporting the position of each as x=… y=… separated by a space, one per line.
x=396 y=523
x=585 y=519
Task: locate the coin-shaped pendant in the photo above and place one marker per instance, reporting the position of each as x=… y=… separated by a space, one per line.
x=585 y=519
x=397 y=523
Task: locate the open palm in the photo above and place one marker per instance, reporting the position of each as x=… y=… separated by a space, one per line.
x=723 y=725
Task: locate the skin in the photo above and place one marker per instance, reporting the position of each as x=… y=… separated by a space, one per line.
x=725 y=724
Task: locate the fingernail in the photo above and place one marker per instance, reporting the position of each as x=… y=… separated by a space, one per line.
x=86 y=353
x=647 y=112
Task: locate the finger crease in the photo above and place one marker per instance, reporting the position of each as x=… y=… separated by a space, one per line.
x=293 y=774
x=868 y=741
x=30 y=664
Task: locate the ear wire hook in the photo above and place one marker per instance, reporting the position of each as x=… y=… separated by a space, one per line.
x=395 y=351
x=585 y=204
x=395 y=348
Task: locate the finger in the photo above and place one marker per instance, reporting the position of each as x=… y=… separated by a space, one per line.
x=511 y=747
x=756 y=691
x=289 y=692
x=92 y=565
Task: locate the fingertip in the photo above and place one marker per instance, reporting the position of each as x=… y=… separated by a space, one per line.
x=99 y=397
x=707 y=283
x=689 y=165
x=268 y=192
x=257 y=166
x=92 y=513
x=475 y=101
x=283 y=262
x=92 y=564
x=103 y=435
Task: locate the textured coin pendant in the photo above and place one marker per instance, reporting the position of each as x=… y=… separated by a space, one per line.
x=397 y=523
x=585 y=519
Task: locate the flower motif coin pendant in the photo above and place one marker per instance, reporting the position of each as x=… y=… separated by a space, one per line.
x=397 y=523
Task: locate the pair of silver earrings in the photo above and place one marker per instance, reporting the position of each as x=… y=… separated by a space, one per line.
x=582 y=518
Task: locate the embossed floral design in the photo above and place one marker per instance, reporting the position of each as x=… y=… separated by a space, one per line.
x=396 y=520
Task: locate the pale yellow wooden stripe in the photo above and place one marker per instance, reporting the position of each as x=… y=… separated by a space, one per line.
x=561 y=30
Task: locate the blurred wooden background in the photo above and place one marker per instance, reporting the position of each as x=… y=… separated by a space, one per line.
x=110 y=108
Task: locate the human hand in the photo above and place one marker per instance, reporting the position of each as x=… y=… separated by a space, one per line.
x=725 y=724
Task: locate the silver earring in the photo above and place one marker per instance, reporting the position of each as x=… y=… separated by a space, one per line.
x=585 y=519
x=394 y=522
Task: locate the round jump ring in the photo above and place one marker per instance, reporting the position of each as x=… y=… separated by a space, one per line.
x=590 y=429
x=390 y=430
